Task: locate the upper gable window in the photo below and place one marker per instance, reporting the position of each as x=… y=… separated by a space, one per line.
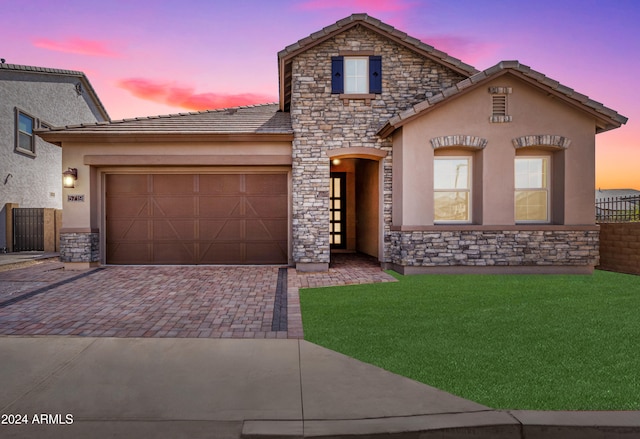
x=356 y=75
x=25 y=141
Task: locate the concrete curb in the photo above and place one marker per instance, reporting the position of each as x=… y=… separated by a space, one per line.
x=492 y=424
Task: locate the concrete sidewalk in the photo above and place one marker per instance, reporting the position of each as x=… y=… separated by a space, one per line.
x=223 y=388
x=22 y=258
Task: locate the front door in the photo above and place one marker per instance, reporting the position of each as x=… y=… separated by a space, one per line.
x=338 y=209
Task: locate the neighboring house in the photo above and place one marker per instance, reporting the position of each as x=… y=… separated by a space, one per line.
x=380 y=144
x=37 y=98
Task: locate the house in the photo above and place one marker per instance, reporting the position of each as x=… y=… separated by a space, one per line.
x=34 y=98
x=379 y=144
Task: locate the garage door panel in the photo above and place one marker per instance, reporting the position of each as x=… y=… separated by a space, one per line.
x=173 y=207
x=175 y=230
x=219 y=207
x=128 y=229
x=266 y=206
x=266 y=253
x=127 y=184
x=220 y=184
x=222 y=230
x=129 y=253
x=197 y=218
x=174 y=184
x=222 y=253
x=173 y=252
x=266 y=230
x=127 y=207
x=266 y=184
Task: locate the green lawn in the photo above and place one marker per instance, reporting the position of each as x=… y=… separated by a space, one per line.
x=538 y=342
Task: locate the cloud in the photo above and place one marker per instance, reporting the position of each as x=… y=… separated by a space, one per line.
x=170 y=93
x=77 y=46
x=358 y=5
x=466 y=49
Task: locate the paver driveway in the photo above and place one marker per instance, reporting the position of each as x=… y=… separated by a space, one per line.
x=172 y=301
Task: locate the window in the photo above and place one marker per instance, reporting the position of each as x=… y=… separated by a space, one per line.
x=532 y=189
x=356 y=74
x=25 y=141
x=452 y=189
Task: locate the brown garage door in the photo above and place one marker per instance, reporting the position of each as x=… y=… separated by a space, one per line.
x=196 y=219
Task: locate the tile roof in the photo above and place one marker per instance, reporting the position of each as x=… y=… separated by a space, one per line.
x=609 y=117
x=59 y=72
x=285 y=55
x=251 y=119
x=382 y=28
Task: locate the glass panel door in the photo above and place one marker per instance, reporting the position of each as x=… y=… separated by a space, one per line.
x=337 y=208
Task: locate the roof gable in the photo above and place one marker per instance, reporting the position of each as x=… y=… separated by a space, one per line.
x=606 y=118
x=288 y=53
x=60 y=72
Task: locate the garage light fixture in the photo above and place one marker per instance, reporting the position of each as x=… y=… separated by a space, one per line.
x=69 y=178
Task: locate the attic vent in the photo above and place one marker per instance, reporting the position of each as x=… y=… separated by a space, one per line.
x=499 y=105
x=232 y=111
x=499 y=109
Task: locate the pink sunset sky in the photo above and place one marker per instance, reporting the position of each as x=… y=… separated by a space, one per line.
x=161 y=57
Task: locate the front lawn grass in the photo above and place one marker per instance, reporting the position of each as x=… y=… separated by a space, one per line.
x=531 y=342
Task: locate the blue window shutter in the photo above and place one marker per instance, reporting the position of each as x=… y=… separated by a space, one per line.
x=375 y=74
x=337 y=74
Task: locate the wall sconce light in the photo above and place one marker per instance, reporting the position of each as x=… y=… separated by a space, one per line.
x=69 y=178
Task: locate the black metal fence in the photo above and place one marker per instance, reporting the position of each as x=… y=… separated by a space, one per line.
x=618 y=209
x=28 y=229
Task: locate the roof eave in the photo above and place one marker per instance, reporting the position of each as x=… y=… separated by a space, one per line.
x=59 y=138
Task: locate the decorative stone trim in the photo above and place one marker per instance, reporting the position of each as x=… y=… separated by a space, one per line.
x=546 y=140
x=80 y=247
x=501 y=90
x=473 y=142
x=500 y=119
x=482 y=248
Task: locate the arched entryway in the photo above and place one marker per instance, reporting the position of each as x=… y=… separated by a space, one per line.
x=355 y=205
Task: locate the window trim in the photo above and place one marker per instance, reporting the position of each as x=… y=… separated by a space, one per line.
x=373 y=75
x=469 y=190
x=547 y=189
x=34 y=125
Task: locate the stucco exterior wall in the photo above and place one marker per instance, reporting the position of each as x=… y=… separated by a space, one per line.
x=323 y=121
x=568 y=243
x=36 y=181
x=533 y=113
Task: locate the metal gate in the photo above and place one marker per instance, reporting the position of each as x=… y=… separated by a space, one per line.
x=28 y=229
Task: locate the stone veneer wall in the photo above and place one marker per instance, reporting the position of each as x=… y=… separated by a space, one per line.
x=322 y=121
x=80 y=247
x=482 y=248
x=620 y=247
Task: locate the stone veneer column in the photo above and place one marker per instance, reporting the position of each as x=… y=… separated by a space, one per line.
x=80 y=249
